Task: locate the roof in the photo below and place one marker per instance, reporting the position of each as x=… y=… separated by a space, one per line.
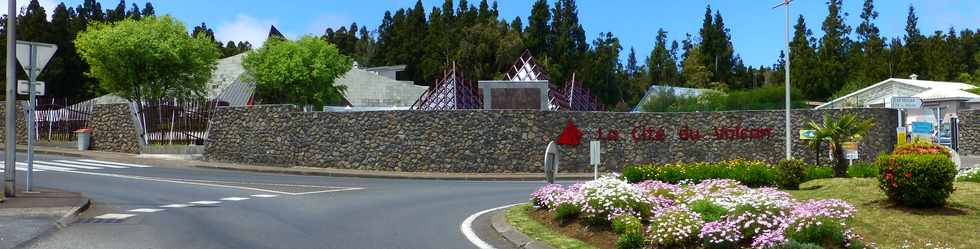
x=931 y=90
x=396 y=68
x=655 y=88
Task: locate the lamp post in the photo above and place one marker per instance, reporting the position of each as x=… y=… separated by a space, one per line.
x=10 y=159
x=789 y=142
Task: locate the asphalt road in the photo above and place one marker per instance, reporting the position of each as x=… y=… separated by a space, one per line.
x=306 y=211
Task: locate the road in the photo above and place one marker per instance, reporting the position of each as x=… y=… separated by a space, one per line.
x=257 y=210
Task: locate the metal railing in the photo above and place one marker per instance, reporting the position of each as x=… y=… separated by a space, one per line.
x=174 y=121
x=57 y=119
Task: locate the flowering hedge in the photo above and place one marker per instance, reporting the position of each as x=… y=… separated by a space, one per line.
x=972 y=175
x=709 y=214
x=752 y=173
x=917 y=180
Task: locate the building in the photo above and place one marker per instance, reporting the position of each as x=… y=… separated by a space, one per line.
x=367 y=88
x=655 y=89
x=940 y=100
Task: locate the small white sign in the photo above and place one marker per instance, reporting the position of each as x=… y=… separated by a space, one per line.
x=23 y=87
x=905 y=103
x=594 y=152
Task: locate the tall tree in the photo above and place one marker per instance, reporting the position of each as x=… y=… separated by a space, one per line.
x=832 y=70
x=868 y=56
x=803 y=59
x=569 y=46
x=603 y=76
x=148 y=10
x=538 y=28
x=717 y=53
x=119 y=13
x=911 y=56
x=661 y=64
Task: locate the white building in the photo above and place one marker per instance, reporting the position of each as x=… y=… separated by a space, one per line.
x=941 y=100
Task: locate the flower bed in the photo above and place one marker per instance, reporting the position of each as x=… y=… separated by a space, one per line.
x=972 y=175
x=709 y=214
x=751 y=173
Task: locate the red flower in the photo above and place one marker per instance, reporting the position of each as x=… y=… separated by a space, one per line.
x=894 y=185
x=908 y=174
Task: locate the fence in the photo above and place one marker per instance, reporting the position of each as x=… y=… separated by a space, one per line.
x=174 y=121
x=57 y=119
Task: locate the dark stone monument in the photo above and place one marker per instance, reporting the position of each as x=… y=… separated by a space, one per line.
x=515 y=95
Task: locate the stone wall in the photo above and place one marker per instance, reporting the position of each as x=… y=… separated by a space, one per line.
x=114 y=129
x=969 y=132
x=21 y=123
x=509 y=141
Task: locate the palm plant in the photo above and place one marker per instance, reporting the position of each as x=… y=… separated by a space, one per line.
x=848 y=128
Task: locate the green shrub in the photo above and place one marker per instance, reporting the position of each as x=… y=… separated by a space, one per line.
x=862 y=170
x=631 y=241
x=627 y=224
x=631 y=232
x=566 y=212
x=916 y=180
x=751 y=173
x=793 y=244
x=819 y=172
x=790 y=173
x=972 y=175
x=708 y=210
x=827 y=233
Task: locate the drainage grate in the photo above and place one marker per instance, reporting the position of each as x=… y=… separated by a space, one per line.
x=100 y=221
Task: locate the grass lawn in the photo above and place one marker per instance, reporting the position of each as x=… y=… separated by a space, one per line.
x=519 y=217
x=880 y=221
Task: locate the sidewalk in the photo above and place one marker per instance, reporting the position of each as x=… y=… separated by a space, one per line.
x=32 y=215
x=297 y=170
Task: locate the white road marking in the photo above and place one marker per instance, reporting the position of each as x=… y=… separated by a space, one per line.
x=20 y=168
x=41 y=167
x=467 y=227
x=205 y=202
x=114 y=216
x=264 y=196
x=198 y=182
x=66 y=165
x=115 y=163
x=176 y=206
x=145 y=210
x=234 y=199
x=92 y=164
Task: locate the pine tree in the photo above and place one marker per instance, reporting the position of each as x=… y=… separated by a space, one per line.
x=911 y=56
x=868 y=56
x=661 y=64
x=538 y=30
x=119 y=13
x=603 y=77
x=569 y=47
x=148 y=10
x=832 y=70
x=135 y=12
x=803 y=60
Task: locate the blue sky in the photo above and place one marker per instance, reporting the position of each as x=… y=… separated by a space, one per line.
x=757 y=30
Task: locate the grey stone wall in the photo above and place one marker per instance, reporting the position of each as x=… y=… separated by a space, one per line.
x=21 y=123
x=969 y=132
x=113 y=129
x=509 y=141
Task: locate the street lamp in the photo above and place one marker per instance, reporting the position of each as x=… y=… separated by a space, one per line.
x=789 y=144
x=10 y=160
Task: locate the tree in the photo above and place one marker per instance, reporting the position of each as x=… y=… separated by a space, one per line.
x=832 y=70
x=662 y=65
x=911 y=56
x=802 y=60
x=298 y=72
x=603 y=76
x=848 y=128
x=148 y=59
x=696 y=74
x=569 y=47
x=148 y=10
x=538 y=29
x=119 y=13
x=868 y=60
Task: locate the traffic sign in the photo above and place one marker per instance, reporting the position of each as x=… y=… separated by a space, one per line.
x=43 y=53
x=808 y=134
x=23 y=87
x=906 y=103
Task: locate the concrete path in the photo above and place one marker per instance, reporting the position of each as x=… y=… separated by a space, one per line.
x=32 y=215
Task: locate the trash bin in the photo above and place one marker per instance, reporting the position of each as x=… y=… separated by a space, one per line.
x=84 y=138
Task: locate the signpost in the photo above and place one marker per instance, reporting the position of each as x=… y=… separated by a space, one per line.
x=902 y=103
x=850 y=151
x=595 y=151
x=33 y=56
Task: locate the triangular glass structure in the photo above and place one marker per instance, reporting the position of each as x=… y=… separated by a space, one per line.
x=452 y=92
x=572 y=97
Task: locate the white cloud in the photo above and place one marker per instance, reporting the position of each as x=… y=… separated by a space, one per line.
x=245 y=28
x=48 y=5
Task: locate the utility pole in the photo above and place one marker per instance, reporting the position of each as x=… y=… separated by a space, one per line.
x=789 y=142
x=10 y=159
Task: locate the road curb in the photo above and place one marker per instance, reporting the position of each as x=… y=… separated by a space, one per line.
x=501 y=226
x=61 y=223
x=23 y=149
x=389 y=176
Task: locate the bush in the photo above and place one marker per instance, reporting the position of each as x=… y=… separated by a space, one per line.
x=972 y=175
x=820 y=172
x=631 y=232
x=566 y=211
x=631 y=241
x=790 y=173
x=862 y=170
x=708 y=210
x=675 y=227
x=827 y=233
x=751 y=173
x=793 y=244
x=916 y=180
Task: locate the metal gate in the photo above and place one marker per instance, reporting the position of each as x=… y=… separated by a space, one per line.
x=174 y=121
x=57 y=119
